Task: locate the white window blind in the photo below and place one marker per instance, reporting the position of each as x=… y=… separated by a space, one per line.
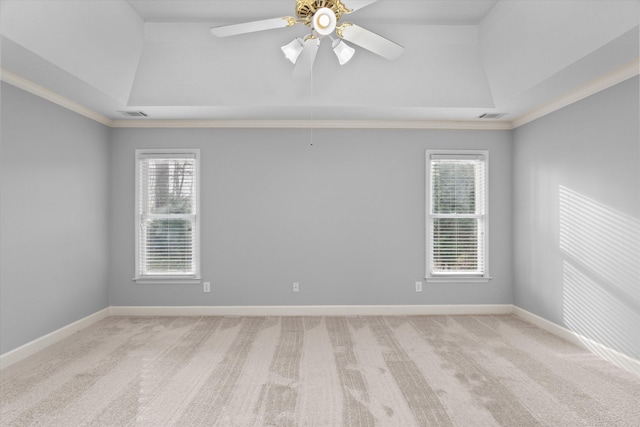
x=167 y=211
x=456 y=223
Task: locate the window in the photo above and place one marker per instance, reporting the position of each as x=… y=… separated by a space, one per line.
x=167 y=243
x=456 y=215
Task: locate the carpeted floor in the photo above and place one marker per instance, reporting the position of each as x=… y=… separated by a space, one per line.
x=317 y=371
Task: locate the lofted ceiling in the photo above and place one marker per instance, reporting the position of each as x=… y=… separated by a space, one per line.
x=462 y=58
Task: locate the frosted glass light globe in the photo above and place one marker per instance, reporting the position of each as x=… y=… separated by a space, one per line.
x=324 y=21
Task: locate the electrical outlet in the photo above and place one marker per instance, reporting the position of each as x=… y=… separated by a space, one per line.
x=418 y=286
x=206 y=287
x=296 y=287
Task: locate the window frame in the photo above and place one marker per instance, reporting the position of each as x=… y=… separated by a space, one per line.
x=456 y=276
x=138 y=218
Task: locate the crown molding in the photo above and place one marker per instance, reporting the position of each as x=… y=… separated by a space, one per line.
x=35 y=89
x=316 y=124
x=592 y=87
x=619 y=75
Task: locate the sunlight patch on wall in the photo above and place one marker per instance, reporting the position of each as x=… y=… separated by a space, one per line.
x=601 y=272
x=591 y=310
x=604 y=240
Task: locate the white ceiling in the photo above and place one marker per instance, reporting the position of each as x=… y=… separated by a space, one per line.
x=462 y=57
x=437 y=12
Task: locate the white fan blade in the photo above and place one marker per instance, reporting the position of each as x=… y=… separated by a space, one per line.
x=359 y=4
x=251 y=27
x=304 y=64
x=370 y=41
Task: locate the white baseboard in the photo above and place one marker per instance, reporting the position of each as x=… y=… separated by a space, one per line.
x=312 y=310
x=621 y=360
x=615 y=357
x=30 y=348
x=9 y=358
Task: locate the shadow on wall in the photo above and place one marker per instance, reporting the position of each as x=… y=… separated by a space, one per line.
x=600 y=273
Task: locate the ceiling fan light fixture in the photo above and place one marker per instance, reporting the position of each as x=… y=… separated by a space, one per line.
x=343 y=51
x=293 y=50
x=324 y=21
x=322 y=17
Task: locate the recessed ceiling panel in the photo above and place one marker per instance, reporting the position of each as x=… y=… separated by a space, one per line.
x=462 y=58
x=441 y=68
x=440 y=12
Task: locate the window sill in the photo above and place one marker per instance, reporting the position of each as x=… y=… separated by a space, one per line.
x=167 y=280
x=457 y=279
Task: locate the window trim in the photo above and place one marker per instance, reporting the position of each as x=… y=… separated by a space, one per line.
x=167 y=279
x=457 y=277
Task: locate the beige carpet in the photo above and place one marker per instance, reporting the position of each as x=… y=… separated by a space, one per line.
x=317 y=371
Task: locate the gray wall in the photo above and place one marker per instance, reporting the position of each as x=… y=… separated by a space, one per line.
x=53 y=217
x=577 y=217
x=344 y=217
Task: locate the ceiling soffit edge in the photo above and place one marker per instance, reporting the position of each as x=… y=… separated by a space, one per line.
x=628 y=71
x=41 y=91
x=601 y=83
x=318 y=124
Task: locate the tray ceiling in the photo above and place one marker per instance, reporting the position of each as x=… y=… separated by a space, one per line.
x=462 y=58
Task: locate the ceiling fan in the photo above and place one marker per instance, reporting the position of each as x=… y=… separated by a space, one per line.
x=323 y=17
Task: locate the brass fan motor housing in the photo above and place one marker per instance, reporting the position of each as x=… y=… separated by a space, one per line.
x=305 y=9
